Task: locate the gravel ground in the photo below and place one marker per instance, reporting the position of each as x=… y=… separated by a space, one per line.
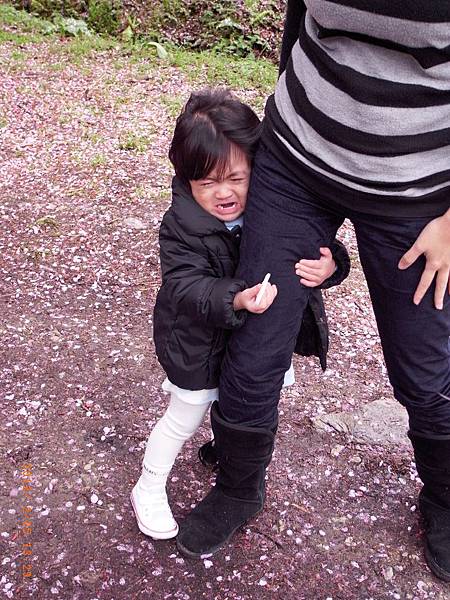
x=83 y=185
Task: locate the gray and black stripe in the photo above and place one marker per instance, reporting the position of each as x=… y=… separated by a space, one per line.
x=364 y=100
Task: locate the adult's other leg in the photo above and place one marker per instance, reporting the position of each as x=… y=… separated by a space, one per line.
x=416 y=348
x=283 y=223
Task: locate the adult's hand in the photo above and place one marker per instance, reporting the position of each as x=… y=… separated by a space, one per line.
x=434 y=243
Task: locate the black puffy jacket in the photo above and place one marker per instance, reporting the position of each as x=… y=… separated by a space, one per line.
x=194 y=314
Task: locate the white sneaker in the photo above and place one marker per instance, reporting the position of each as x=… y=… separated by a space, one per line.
x=153 y=514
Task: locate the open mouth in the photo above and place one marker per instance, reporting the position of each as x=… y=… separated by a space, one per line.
x=227 y=206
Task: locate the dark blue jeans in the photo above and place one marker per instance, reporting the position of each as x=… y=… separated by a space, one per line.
x=285 y=221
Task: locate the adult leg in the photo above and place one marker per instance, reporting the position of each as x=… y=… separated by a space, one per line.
x=282 y=224
x=415 y=342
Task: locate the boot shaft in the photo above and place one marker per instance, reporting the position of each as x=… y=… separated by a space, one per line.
x=243 y=455
x=432 y=458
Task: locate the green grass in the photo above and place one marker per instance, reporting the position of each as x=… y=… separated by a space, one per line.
x=18 y=55
x=21 y=19
x=19 y=38
x=200 y=68
x=213 y=68
x=22 y=28
x=87 y=46
x=121 y=100
x=210 y=67
x=173 y=104
x=91 y=136
x=98 y=160
x=140 y=191
x=83 y=47
x=56 y=67
x=16 y=61
x=131 y=141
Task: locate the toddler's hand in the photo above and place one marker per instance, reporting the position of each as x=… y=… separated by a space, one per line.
x=247 y=299
x=314 y=272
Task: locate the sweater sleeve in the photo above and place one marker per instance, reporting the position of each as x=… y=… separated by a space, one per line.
x=294 y=14
x=191 y=282
x=342 y=260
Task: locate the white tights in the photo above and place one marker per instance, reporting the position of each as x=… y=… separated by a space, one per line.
x=179 y=423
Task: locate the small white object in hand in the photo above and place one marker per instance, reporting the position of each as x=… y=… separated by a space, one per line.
x=262 y=289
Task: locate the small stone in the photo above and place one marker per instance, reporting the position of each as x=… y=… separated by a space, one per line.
x=382 y=422
x=355 y=459
x=133 y=223
x=336 y=450
x=421 y=585
x=388 y=573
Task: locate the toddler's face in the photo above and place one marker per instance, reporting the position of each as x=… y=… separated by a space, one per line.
x=224 y=198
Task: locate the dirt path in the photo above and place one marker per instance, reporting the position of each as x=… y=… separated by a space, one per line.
x=83 y=148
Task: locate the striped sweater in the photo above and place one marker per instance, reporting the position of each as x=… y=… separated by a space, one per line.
x=362 y=106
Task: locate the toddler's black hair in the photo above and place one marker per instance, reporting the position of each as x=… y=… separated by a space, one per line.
x=211 y=123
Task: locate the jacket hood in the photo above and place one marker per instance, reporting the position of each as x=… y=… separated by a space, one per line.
x=190 y=215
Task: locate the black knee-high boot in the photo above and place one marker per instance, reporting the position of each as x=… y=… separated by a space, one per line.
x=433 y=465
x=243 y=454
x=207 y=453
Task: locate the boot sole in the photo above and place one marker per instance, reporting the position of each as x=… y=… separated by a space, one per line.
x=435 y=568
x=156 y=535
x=198 y=555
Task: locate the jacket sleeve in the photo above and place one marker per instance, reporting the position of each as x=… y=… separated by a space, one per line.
x=342 y=260
x=192 y=284
x=294 y=13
